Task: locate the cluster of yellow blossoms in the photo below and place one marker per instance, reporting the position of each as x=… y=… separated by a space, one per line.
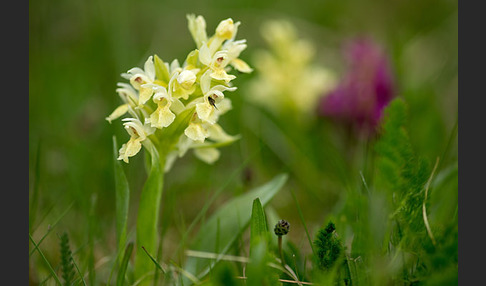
x=288 y=79
x=176 y=107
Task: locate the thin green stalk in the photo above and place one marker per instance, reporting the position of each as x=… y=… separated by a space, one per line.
x=77 y=269
x=280 y=251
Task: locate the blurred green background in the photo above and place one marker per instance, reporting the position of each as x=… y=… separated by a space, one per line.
x=78 y=49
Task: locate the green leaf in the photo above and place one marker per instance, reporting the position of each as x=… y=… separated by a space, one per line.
x=258 y=226
x=231 y=219
x=148 y=214
x=258 y=271
x=192 y=58
x=161 y=71
x=122 y=198
x=170 y=135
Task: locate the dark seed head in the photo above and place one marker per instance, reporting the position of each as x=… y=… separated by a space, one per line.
x=282 y=227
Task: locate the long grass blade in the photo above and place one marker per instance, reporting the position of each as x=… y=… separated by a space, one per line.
x=45 y=260
x=51 y=228
x=301 y=216
x=78 y=271
x=120 y=279
x=154 y=261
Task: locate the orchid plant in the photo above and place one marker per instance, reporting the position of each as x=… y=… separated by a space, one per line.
x=173 y=108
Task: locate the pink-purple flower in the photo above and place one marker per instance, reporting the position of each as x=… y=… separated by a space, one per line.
x=366 y=89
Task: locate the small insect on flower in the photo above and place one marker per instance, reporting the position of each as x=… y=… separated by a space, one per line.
x=212 y=101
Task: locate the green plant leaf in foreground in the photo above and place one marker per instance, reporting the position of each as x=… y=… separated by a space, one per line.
x=258 y=226
x=257 y=271
x=226 y=224
x=148 y=215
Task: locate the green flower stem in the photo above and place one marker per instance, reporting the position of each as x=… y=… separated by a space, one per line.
x=148 y=217
x=280 y=251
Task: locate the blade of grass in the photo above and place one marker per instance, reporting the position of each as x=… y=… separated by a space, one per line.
x=154 y=261
x=159 y=256
x=45 y=260
x=44 y=216
x=301 y=216
x=77 y=269
x=35 y=190
x=120 y=279
x=51 y=228
x=217 y=256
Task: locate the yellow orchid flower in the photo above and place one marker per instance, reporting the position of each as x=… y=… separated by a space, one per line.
x=197 y=27
x=160 y=92
x=206 y=109
x=138 y=133
x=141 y=80
x=162 y=116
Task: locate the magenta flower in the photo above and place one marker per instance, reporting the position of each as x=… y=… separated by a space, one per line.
x=364 y=91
